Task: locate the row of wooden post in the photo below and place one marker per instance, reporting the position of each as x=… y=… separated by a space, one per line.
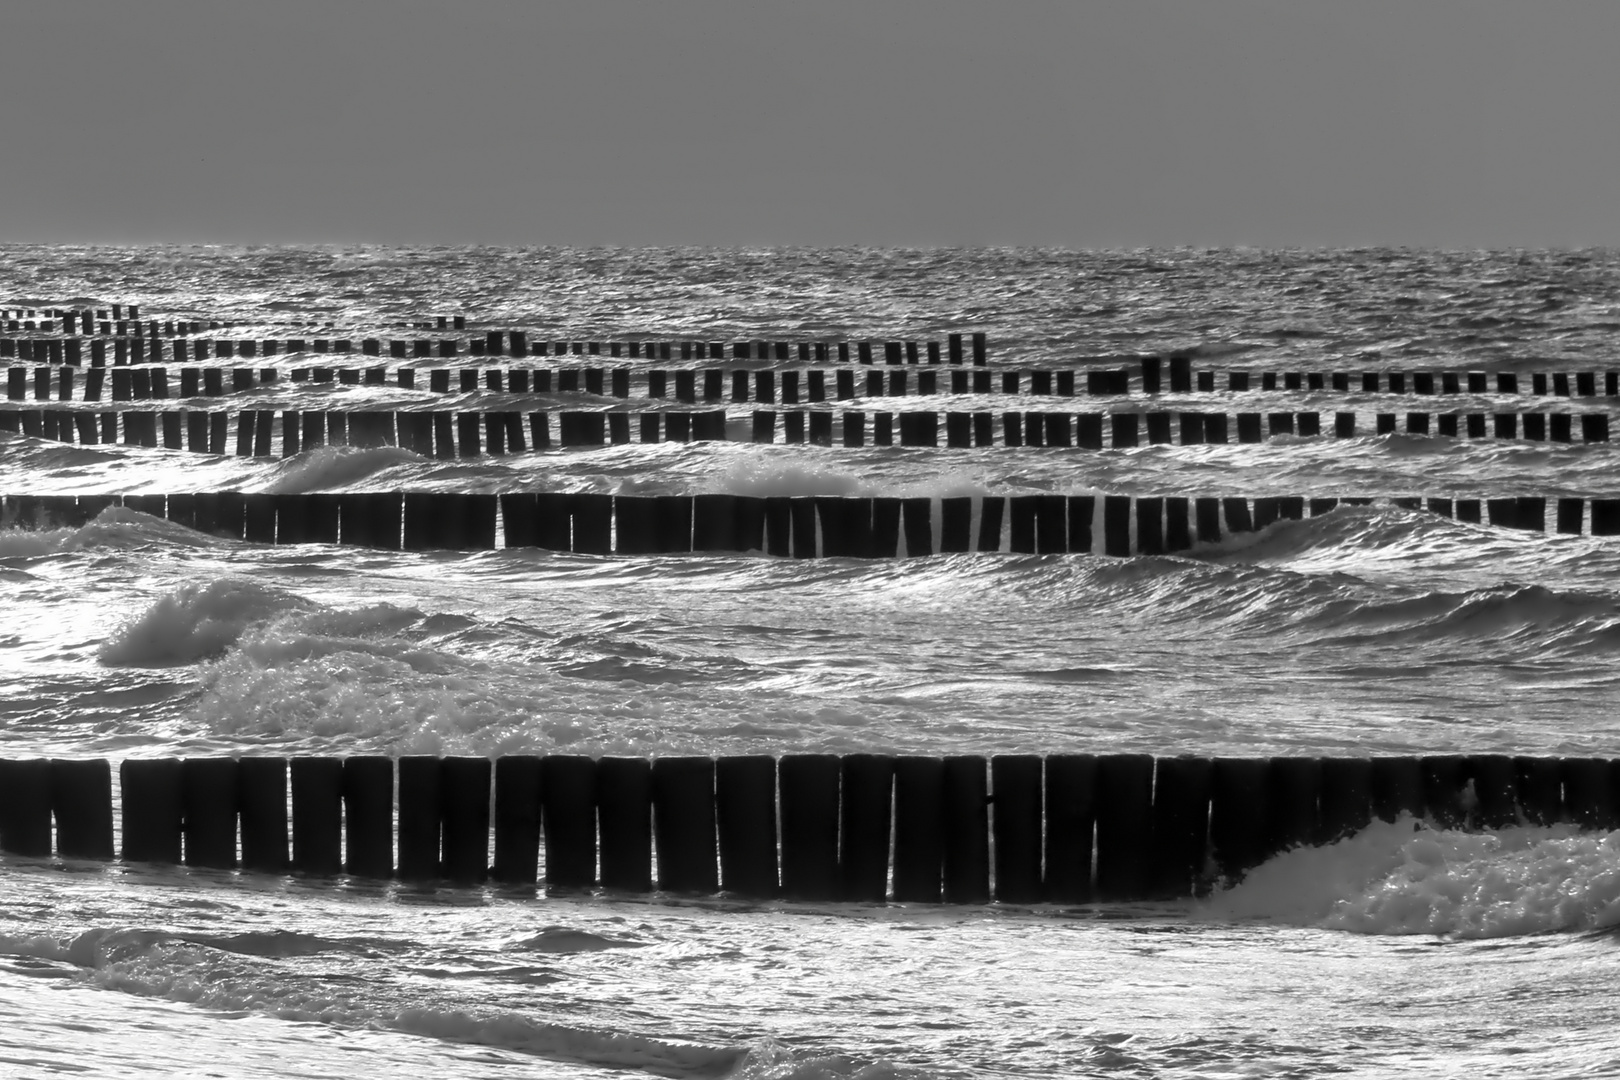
x=138 y=382
x=1540 y=383
x=798 y=527
x=514 y=343
x=1097 y=430
x=127 y=320
x=71 y=317
x=451 y=434
x=120 y=322
x=966 y=829
x=686 y=384
x=444 y=435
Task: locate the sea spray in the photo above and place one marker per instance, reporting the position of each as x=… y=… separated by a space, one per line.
x=195 y=621
x=1408 y=878
x=362 y=672
x=116 y=527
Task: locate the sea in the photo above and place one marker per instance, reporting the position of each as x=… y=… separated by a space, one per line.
x=1404 y=950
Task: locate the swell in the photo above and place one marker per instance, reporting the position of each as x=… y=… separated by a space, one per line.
x=249 y=973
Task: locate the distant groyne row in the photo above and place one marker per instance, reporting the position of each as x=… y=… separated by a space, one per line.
x=125 y=319
x=141 y=381
x=463 y=434
x=797 y=527
x=108 y=336
x=119 y=350
x=962 y=829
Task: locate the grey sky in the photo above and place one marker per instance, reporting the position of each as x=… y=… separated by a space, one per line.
x=1142 y=122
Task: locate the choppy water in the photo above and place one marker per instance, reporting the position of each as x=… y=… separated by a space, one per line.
x=1366 y=630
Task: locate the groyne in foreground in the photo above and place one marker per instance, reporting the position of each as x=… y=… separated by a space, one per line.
x=966 y=829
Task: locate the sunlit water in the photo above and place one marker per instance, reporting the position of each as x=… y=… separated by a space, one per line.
x=1403 y=951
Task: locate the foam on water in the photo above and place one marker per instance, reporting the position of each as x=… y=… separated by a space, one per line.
x=526 y=651
x=1409 y=878
x=344 y=674
x=196 y=621
x=770 y=1060
x=115 y=527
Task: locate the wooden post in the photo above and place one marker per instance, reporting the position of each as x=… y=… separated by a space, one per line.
x=624 y=803
x=368 y=799
x=867 y=785
x=262 y=789
x=517 y=820
x=684 y=819
x=1123 y=810
x=919 y=843
x=317 y=814
x=81 y=801
x=1016 y=790
x=464 y=803
x=568 y=801
x=1181 y=792
x=809 y=793
x=745 y=800
x=152 y=810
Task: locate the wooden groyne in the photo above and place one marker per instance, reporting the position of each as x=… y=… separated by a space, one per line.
x=473 y=433
x=798 y=527
x=963 y=829
x=118 y=335
x=141 y=380
x=121 y=348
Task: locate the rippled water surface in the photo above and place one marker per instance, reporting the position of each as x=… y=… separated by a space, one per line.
x=1368 y=629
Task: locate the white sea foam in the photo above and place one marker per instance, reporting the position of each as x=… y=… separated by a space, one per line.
x=1392 y=878
x=31 y=543
x=769 y=475
x=770 y=1060
x=354 y=673
x=115 y=527
x=195 y=621
x=351 y=692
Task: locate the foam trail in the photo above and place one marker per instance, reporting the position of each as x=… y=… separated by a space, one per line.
x=222 y=975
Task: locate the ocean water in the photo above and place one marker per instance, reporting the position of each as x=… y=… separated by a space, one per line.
x=1404 y=950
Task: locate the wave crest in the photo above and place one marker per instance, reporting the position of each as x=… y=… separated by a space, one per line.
x=195 y=621
x=335 y=467
x=1393 y=879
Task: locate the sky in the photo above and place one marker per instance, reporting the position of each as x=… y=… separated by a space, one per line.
x=1272 y=123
